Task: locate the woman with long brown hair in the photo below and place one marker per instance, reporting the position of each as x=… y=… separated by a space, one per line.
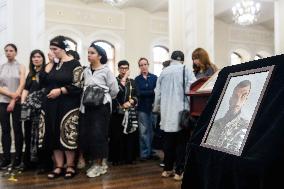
x=31 y=101
x=202 y=66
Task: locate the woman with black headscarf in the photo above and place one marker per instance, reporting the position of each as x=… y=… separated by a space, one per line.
x=62 y=82
x=96 y=117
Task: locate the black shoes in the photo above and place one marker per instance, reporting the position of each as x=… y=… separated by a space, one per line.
x=17 y=163
x=5 y=164
x=153 y=157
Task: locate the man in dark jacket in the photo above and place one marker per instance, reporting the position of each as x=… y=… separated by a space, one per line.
x=145 y=85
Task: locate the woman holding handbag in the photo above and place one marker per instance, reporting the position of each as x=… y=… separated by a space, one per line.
x=124 y=138
x=95 y=110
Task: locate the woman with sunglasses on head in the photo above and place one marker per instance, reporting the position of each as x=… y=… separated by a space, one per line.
x=62 y=83
x=12 y=81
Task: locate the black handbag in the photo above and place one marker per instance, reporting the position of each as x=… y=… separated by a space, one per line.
x=93 y=96
x=186 y=121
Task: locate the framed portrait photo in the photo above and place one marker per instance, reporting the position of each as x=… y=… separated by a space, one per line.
x=236 y=109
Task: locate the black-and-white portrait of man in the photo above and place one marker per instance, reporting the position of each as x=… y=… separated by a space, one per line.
x=236 y=110
x=229 y=131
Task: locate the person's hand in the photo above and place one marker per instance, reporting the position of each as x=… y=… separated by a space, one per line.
x=127 y=74
x=131 y=101
x=19 y=95
x=48 y=67
x=156 y=109
x=54 y=93
x=126 y=105
x=11 y=105
x=51 y=56
x=15 y=96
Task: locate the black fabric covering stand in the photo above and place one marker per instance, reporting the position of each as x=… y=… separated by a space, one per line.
x=261 y=165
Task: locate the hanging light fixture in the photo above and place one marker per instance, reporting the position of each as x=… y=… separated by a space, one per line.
x=115 y=2
x=246 y=12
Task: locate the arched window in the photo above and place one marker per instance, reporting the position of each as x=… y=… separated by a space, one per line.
x=160 y=54
x=257 y=57
x=72 y=44
x=236 y=58
x=110 y=50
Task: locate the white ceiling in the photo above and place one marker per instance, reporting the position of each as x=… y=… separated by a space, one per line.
x=222 y=9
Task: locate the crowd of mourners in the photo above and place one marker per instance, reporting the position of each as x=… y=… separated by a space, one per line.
x=69 y=117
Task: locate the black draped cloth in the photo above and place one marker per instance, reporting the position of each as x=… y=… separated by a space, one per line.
x=261 y=164
x=123 y=148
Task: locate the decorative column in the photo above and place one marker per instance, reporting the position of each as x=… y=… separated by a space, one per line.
x=191 y=25
x=279 y=27
x=22 y=23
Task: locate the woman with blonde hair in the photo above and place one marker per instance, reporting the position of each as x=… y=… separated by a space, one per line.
x=202 y=66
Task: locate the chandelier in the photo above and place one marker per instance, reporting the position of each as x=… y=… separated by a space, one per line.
x=115 y=2
x=246 y=12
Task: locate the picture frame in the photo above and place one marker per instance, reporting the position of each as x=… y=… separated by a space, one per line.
x=207 y=87
x=236 y=109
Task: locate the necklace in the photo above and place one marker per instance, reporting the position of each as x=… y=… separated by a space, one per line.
x=59 y=65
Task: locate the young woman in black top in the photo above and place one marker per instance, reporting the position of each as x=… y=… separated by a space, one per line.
x=31 y=100
x=62 y=83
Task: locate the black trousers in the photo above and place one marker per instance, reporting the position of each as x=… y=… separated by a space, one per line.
x=44 y=157
x=27 y=140
x=123 y=148
x=6 y=130
x=174 y=150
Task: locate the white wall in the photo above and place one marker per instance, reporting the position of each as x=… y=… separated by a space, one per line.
x=248 y=41
x=21 y=23
x=132 y=31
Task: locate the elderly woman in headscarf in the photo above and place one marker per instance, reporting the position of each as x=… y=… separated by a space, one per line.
x=96 y=116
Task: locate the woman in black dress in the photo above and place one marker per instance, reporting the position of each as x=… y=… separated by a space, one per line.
x=62 y=82
x=124 y=145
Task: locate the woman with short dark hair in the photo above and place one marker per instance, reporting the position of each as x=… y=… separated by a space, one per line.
x=124 y=138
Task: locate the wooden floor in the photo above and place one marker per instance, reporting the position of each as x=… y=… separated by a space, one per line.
x=144 y=175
